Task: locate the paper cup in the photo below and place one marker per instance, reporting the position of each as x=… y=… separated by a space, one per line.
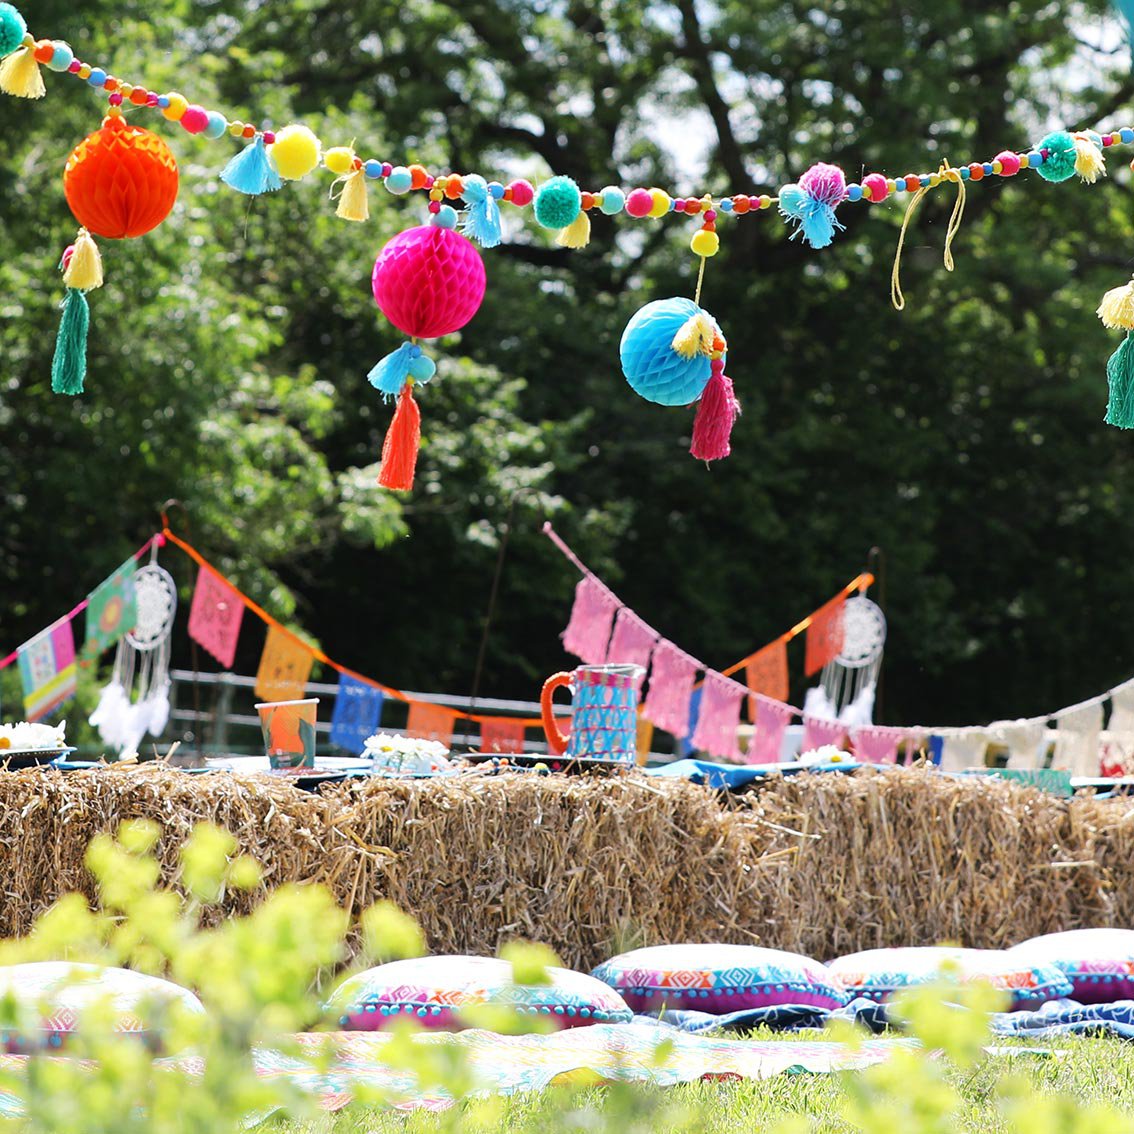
x=289 y=732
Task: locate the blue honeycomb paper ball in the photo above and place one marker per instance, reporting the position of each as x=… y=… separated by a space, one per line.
x=653 y=368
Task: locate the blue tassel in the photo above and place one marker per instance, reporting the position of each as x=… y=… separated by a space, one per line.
x=816 y=220
x=252 y=171
x=482 y=215
x=391 y=373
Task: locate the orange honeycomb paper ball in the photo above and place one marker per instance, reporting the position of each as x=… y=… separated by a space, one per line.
x=121 y=181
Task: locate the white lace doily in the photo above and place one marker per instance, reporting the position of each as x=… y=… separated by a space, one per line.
x=157 y=605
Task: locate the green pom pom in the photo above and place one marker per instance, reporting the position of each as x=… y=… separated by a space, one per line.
x=558 y=202
x=1120 y=378
x=12 y=29
x=69 y=366
x=1060 y=161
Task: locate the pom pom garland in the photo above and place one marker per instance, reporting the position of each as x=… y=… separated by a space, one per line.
x=12 y=30
x=811 y=204
x=557 y=203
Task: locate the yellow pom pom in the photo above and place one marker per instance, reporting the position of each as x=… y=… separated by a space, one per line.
x=1117 y=308
x=695 y=336
x=661 y=203
x=84 y=271
x=339 y=160
x=577 y=234
x=705 y=243
x=1090 y=164
x=296 y=152
x=178 y=104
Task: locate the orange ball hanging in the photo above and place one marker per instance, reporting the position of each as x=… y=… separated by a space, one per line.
x=121 y=181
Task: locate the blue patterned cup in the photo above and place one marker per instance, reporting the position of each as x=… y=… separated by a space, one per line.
x=604 y=713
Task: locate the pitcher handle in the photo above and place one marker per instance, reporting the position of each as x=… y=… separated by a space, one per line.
x=556 y=741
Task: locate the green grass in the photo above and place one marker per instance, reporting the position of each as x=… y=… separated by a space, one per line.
x=1082 y=1071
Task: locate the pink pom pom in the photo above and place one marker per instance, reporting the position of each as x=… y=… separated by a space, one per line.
x=1009 y=163
x=68 y=252
x=429 y=281
x=522 y=193
x=876 y=183
x=825 y=183
x=195 y=120
x=716 y=415
x=639 y=203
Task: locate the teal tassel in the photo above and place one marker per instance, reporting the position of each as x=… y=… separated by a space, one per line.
x=252 y=171
x=69 y=366
x=391 y=373
x=1120 y=378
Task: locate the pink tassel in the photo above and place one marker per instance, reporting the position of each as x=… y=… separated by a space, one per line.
x=716 y=416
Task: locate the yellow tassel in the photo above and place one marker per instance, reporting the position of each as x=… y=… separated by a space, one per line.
x=20 y=76
x=1090 y=164
x=695 y=336
x=84 y=272
x=1117 y=308
x=353 y=202
x=577 y=234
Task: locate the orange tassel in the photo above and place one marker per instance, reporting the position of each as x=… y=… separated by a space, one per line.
x=399 y=452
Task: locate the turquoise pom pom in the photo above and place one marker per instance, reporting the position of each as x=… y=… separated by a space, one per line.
x=399 y=180
x=217 y=126
x=12 y=29
x=62 y=58
x=1059 y=164
x=422 y=369
x=557 y=203
x=613 y=200
x=651 y=365
x=445 y=218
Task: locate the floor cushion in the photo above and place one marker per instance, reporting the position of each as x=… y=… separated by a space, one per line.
x=878 y=973
x=719 y=979
x=51 y=997
x=1099 y=963
x=433 y=990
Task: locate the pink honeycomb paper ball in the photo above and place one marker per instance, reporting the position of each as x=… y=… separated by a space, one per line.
x=429 y=281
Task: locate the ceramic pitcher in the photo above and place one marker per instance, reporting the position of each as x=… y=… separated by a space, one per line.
x=604 y=713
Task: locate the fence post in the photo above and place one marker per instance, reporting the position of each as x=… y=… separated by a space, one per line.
x=222 y=707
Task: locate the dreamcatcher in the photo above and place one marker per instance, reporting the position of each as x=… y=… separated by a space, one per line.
x=137 y=699
x=847 y=684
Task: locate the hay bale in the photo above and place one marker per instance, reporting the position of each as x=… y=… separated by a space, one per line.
x=823 y=864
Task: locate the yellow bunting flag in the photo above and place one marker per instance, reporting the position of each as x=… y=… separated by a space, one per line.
x=285 y=666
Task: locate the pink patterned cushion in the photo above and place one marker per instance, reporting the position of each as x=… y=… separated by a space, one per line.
x=431 y=991
x=52 y=998
x=719 y=979
x=877 y=974
x=1099 y=963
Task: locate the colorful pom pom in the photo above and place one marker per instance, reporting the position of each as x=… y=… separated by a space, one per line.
x=445 y=216
x=482 y=213
x=13 y=28
x=639 y=203
x=522 y=193
x=557 y=203
x=252 y=171
x=195 y=120
x=339 y=160
x=1059 y=164
x=295 y=152
x=217 y=126
x=399 y=180
x=1009 y=163
x=660 y=203
x=705 y=243
x=612 y=200
x=812 y=203
x=878 y=186
x=61 y=57
x=175 y=106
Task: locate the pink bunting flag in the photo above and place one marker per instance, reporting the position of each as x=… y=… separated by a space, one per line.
x=878 y=744
x=772 y=720
x=671 y=686
x=719 y=718
x=588 y=631
x=215 y=616
x=632 y=642
x=818 y=733
x=501 y=735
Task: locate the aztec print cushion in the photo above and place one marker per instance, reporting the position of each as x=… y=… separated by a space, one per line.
x=1099 y=963
x=50 y=999
x=432 y=991
x=878 y=973
x=719 y=979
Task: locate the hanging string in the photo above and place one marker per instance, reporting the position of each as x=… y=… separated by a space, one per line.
x=946 y=172
x=700 y=281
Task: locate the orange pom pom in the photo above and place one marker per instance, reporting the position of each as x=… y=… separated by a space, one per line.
x=454 y=187
x=121 y=181
x=44 y=51
x=420 y=176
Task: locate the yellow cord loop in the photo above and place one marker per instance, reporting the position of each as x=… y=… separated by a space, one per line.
x=946 y=172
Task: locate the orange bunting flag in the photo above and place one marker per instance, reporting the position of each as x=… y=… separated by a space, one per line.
x=285 y=666
x=431 y=722
x=825 y=635
x=767 y=673
x=499 y=734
